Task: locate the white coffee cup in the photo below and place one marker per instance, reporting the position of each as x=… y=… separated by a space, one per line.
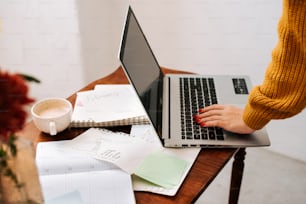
x=52 y=115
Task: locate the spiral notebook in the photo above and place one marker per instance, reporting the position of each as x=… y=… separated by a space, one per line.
x=108 y=105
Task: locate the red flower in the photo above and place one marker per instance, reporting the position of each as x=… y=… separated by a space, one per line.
x=13 y=98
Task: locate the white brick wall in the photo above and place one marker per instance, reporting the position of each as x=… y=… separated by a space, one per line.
x=42 y=38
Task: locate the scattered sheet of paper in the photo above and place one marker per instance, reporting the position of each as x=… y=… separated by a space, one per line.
x=137 y=154
x=117 y=148
x=90 y=141
x=124 y=151
x=145 y=132
x=188 y=154
x=63 y=170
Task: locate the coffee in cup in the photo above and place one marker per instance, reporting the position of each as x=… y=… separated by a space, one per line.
x=52 y=115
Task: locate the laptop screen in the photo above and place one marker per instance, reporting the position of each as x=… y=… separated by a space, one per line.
x=142 y=68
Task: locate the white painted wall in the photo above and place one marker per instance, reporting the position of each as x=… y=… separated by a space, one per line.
x=68 y=43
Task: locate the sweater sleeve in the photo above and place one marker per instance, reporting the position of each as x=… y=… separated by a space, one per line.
x=282 y=93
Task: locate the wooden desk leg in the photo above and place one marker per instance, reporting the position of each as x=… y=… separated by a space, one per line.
x=237 y=173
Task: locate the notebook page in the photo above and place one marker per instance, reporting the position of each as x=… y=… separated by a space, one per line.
x=107 y=103
x=63 y=170
x=57 y=158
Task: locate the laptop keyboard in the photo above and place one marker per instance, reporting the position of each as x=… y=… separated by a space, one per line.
x=197 y=93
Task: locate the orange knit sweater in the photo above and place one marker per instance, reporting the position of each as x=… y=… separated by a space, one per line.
x=283 y=91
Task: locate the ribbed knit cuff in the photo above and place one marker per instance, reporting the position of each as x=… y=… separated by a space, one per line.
x=254 y=119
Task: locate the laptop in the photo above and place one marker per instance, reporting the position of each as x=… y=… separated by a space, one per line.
x=171 y=100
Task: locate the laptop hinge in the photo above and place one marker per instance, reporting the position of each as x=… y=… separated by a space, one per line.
x=169 y=102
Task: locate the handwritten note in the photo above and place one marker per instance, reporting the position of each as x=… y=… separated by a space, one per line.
x=107 y=103
x=124 y=151
x=145 y=132
x=90 y=141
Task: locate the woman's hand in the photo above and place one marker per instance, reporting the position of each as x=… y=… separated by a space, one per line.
x=224 y=116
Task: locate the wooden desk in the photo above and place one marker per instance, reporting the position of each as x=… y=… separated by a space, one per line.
x=206 y=167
